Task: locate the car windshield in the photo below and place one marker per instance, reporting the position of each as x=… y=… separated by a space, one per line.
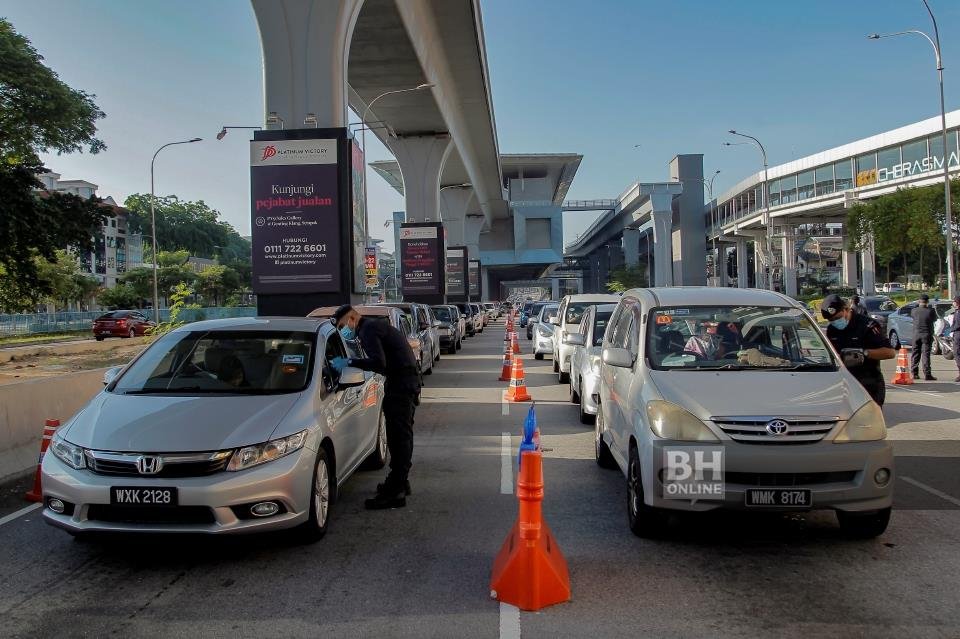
x=443 y=314
x=600 y=326
x=231 y=362
x=574 y=312
x=735 y=338
x=943 y=308
x=547 y=310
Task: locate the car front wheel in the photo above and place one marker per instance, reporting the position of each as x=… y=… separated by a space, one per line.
x=321 y=494
x=863 y=526
x=895 y=340
x=378 y=458
x=645 y=521
x=602 y=451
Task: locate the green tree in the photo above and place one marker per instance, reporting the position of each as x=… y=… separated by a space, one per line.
x=140 y=279
x=172 y=258
x=39 y=113
x=64 y=280
x=120 y=296
x=217 y=282
x=627 y=277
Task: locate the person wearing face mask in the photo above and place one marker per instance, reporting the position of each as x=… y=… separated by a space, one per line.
x=954 y=329
x=389 y=354
x=861 y=343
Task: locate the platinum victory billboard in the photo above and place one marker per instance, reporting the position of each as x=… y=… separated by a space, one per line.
x=295 y=203
x=456 y=271
x=420 y=259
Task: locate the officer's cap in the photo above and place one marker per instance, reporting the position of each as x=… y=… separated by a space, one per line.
x=831 y=305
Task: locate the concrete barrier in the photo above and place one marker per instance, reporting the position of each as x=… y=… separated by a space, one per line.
x=25 y=405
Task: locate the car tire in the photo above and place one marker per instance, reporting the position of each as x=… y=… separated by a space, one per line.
x=131 y=333
x=863 y=526
x=604 y=457
x=574 y=393
x=935 y=347
x=556 y=367
x=538 y=356
x=644 y=521
x=322 y=491
x=378 y=458
x=895 y=340
x=437 y=358
x=563 y=377
x=99 y=338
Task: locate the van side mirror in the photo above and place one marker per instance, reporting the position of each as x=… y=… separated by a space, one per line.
x=619 y=357
x=553 y=319
x=573 y=339
x=351 y=377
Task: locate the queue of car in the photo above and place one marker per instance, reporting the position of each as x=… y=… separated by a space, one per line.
x=234 y=426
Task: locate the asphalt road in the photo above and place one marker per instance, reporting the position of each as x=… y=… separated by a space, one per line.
x=424 y=571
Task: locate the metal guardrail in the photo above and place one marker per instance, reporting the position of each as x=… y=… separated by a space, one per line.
x=36 y=323
x=589 y=205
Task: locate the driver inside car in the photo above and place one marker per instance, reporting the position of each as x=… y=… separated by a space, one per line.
x=702 y=342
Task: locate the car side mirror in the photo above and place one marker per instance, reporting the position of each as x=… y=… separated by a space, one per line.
x=553 y=319
x=573 y=339
x=350 y=377
x=437 y=323
x=111 y=374
x=619 y=357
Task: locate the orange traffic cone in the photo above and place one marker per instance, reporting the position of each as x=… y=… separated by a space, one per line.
x=530 y=571
x=516 y=344
x=49 y=428
x=902 y=376
x=517 y=392
x=507 y=364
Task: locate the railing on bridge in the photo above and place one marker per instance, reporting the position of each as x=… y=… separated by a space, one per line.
x=589 y=205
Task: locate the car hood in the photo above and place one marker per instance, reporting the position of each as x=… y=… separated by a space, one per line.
x=709 y=394
x=152 y=423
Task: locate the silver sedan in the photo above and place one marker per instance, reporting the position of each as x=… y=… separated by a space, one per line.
x=225 y=426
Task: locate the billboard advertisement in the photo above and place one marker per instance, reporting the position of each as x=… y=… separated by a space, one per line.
x=473 y=275
x=358 y=231
x=421 y=262
x=456 y=271
x=296 y=227
x=370 y=266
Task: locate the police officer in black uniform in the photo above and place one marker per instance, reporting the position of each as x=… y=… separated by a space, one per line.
x=923 y=319
x=387 y=352
x=861 y=343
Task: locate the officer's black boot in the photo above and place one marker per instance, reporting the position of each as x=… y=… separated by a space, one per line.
x=390 y=494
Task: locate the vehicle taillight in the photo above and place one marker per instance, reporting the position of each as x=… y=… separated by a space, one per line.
x=121 y=322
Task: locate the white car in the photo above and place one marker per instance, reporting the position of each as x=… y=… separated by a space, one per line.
x=568 y=321
x=733 y=398
x=585 y=360
x=542 y=331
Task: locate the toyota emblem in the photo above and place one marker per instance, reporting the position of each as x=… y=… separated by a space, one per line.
x=148 y=465
x=777 y=427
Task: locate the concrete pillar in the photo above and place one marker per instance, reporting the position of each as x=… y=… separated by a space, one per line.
x=555 y=288
x=592 y=285
x=663 y=247
x=603 y=270
x=789 y=262
x=848 y=276
x=758 y=271
x=743 y=278
x=306 y=47
x=631 y=247
x=723 y=279
x=616 y=255
x=868 y=268
x=421 y=160
x=462 y=219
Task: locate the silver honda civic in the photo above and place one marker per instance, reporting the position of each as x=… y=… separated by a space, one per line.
x=224 y=426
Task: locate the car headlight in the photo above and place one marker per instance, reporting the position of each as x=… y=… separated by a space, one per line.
x=68 y=453
x=669 y=421
x=866 y=425
x=250 y=456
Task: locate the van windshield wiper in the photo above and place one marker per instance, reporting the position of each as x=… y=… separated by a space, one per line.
x=163 y=391
x=806 y=366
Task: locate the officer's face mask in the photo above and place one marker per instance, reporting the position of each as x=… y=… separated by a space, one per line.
x=347 y=333
x=840 y=323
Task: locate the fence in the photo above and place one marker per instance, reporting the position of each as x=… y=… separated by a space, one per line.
x=34 y=323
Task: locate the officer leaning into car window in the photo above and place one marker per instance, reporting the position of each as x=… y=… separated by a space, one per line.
x=923 y=318
x=388 y=353
x=861 y=343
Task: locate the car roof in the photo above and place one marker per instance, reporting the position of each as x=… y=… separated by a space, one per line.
x=711 y=295
x=606 y=297
x=302 y=324
x=366 y=311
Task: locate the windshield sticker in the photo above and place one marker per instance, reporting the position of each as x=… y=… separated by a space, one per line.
x=292 y=359
x=681 y=311
x=664 y=319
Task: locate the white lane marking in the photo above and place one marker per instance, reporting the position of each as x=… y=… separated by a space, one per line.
x=931 y=490
x=19 y=513
x=506 y=465
x=912 y=390
x=504 y=404
x=509 y=621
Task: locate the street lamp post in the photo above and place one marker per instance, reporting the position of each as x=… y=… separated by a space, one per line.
x=948 y=213
x=153 y=227
x=363 y=141
x=223 y=130
x=766 y=206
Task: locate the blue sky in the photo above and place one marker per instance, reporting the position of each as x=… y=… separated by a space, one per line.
x=593 y=77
